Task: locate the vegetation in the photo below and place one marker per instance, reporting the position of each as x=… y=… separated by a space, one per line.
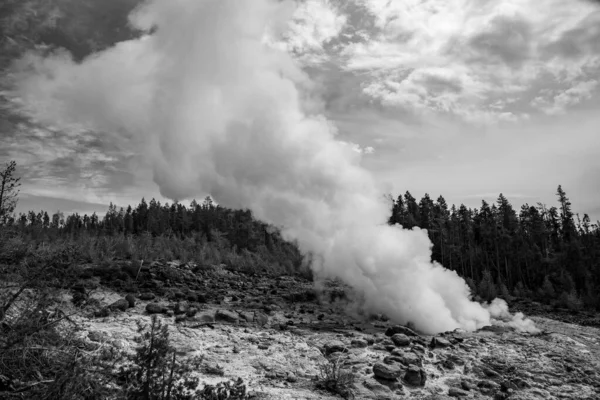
x=336 y=377
x=537 y=252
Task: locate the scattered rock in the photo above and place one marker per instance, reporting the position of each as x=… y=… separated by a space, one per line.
x=440 y=342
x=96 y=336
x=455 y=392
x=359 y=343
x=181 y=307
x=415 y=376
x=120 y=304
x=335 y=346
x=391 y=331
x=400 y=339
x=154 y=308
x=147 y=296
x=131 y=300
x=227 y=316
x=387 y=372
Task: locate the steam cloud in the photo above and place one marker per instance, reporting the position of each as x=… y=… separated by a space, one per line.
x=220 y=111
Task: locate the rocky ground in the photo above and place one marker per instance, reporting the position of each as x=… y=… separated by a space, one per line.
x=276 y=333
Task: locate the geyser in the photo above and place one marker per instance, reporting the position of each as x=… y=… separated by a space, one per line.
x=220 y=111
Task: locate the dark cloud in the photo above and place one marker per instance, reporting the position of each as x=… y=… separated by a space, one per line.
x=507 y=40
x=437 y=85
x=578 y=42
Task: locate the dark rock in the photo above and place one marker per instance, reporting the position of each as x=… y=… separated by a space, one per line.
x=96 y=336
x=359 y=343
x=335 y=346
x=227 y=316
x=490 y=373
x=261 y=319
x=454 y=392
x=153 y=308
x=387 y=372
x=120 y=304
x=391 y=331
x=147 y=296
x=415 y=376
x=181 y=307
x=102 y=313
x=440 y=342
x=131 y=300
x=400 y=339
x=191 y=312
x=408 y=358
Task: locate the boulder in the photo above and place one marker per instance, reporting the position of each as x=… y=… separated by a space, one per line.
x=400 y=340
x=387 y=372
x=147 y=296
x=415 y=376
x=120 y=304
x=154 y=308
x=391 y=331
x=335 y=346
x=131 y=300
x=440 y=342
x=227 y=316
x=181 y=307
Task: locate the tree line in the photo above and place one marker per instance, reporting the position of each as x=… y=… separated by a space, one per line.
x=538 y=251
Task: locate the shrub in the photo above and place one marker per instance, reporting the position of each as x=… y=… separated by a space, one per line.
x=335 y=378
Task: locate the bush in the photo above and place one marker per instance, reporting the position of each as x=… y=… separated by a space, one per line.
x=335 y=378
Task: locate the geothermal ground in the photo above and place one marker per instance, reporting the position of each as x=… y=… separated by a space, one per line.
x=276 y=332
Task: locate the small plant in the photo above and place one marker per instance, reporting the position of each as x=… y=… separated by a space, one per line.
x=155 y=373
x=335 y=378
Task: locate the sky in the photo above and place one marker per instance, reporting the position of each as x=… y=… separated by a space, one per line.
x=464 y=98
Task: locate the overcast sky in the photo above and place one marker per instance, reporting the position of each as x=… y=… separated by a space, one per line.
x=464 y=98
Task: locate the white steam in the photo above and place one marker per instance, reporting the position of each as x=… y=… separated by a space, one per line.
x=220 y=112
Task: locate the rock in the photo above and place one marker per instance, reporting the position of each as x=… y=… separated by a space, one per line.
x=102 y=313
x=205 y=316
x=191 y=311
x=400 y=339
x=147 y=296
x=408 y=358
x=181 y=307
x=227 y=316
x=292 y=378
x=454 y=392
x=120 y=304
x=154 y=308
x=440 y=342
x=391 y=331
x=96 y=336
x=335 y=346
x=131 y=300
x=415 y=376
x=359 y=343
x=387 y=372
x=247 y=316
x=490 y=373
x=260 y=318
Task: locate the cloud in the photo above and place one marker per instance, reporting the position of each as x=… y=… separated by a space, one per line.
x=557 y=102
x=462 y=58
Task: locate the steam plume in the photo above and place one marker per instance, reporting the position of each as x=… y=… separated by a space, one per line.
x=220 y=112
